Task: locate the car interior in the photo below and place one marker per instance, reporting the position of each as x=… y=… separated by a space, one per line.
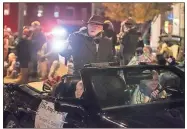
x=116 y=90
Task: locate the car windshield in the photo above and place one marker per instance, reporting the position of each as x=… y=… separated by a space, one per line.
x=120 y=87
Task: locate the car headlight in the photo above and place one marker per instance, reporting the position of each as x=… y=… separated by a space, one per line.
x=59 y=45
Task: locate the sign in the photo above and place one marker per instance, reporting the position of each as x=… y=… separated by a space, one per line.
x=47 y=117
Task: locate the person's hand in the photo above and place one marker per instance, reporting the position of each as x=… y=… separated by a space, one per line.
x=154 y=94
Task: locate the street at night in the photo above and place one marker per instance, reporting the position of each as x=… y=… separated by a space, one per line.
x=93 y=65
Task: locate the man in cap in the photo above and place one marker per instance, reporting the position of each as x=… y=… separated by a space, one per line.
x=38 y=39
x=89 y=45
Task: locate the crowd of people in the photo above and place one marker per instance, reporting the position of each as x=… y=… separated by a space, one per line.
x=93 y=43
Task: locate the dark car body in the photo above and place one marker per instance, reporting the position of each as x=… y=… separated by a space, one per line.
x=106 y=109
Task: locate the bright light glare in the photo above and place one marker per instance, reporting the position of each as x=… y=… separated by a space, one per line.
x=59 y=32
x=39 y=14
x=59 y=45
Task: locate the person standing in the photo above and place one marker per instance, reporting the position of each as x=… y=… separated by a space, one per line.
x=38 y=39
x=128 y=39
x=89 y=45
x=23 y=54
x=46 y=57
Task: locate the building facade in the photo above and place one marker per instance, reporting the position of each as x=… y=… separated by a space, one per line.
x=48 y=14
x=172 y=22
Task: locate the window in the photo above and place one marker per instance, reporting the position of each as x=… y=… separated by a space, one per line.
x=25 y=10
x=84 y=13
x=6 y=9
x=56 y=12
x=40 y=11
x=70 y=11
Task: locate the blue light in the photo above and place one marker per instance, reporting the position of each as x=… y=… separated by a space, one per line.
x=170 y=16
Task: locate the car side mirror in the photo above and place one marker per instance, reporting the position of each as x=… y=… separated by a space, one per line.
x=46 y=88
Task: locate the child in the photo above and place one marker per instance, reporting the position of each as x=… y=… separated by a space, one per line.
x=12 y=70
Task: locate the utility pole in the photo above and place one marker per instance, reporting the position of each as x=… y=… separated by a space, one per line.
x=93 y=9
x=20 y=18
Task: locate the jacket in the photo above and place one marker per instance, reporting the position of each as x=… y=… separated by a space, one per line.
x=85 y=49
x=23 y=50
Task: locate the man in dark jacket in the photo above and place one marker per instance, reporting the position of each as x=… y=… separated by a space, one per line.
x=89 y=45
x=23 y=54
x=128 y=41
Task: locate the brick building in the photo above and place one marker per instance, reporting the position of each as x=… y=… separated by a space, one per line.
x=48 y=14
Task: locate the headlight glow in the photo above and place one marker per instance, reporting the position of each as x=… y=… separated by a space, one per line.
x=59 y=45
x=59 y=32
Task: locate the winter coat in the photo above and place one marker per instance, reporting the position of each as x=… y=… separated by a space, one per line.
x=85 y=49
x=23 y=50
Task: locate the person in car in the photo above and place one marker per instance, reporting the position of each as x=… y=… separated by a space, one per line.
x=152 y=89
x=79 y=89
x=148 y=90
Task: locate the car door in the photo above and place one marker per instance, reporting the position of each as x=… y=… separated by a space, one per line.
x=166 y=111
x=165 y=114
x=162 y=112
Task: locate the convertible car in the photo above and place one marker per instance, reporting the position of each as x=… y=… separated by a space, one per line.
x=112 y=97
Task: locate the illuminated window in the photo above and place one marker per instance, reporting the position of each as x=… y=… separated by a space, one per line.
x=25 y=10
x=56 y=12
x=70 y=11
x=6 y=9
x=40 y=11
